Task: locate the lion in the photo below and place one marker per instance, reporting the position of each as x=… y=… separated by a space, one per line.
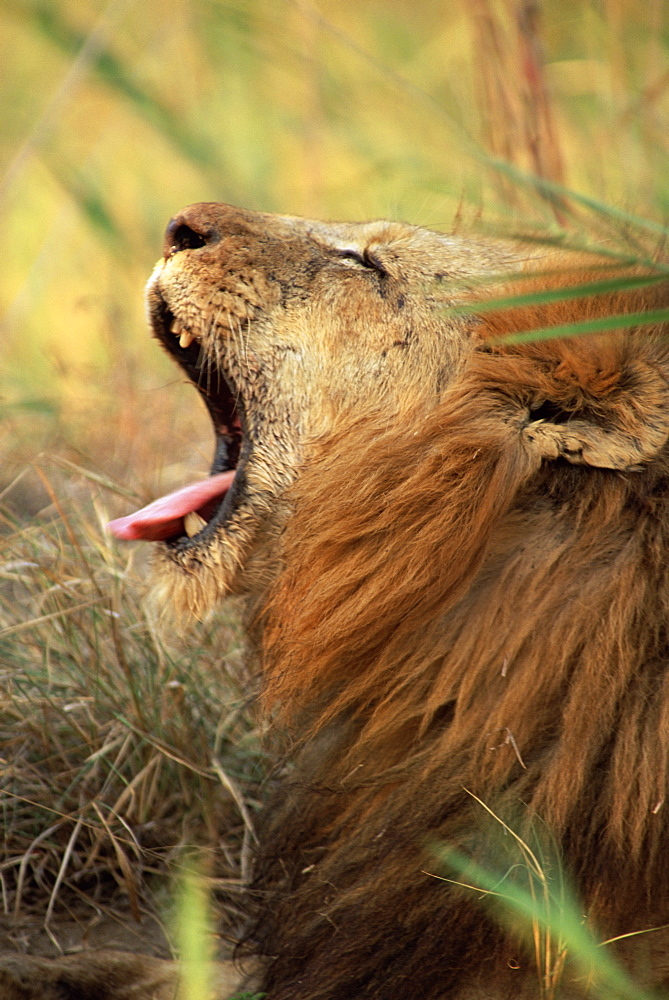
x=454 y=542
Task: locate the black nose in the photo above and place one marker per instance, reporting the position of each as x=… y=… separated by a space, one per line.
x=188 y=231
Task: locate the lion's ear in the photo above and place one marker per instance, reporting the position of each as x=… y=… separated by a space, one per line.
x=583 y=443
x=624 y=431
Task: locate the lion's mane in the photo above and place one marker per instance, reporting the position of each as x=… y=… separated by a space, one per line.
x=471 y=630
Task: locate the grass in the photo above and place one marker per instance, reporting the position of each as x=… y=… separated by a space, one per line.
x=528 y=891
x=194 y=934
x=122 y=744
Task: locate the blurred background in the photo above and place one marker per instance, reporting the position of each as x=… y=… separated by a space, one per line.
x=116 y=113
x=118 y=745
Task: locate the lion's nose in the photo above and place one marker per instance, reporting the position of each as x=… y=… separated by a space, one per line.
x=188 y=231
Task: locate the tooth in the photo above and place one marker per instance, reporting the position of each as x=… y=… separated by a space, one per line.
x=186 y=339
x=193 y=523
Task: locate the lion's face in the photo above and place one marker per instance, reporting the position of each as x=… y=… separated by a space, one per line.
x=296 y=331
x=287 y=326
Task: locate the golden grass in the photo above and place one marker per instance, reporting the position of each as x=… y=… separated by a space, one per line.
x=121 y=746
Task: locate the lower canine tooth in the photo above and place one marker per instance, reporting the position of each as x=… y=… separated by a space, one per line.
x=186 y=339
x=193 y=523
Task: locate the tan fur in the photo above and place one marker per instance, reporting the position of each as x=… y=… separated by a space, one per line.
x=305 y=335
x=457 y=553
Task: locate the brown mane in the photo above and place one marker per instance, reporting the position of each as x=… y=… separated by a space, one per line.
x=460 y=614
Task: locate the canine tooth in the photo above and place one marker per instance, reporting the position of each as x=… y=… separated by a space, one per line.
x=193 y=523
x=186 y=339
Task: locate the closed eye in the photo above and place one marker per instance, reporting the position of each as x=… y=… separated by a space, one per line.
x=364 y=259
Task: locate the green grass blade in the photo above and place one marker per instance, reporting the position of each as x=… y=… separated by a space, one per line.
x=557 y=915
x=558 y=294
x=618 y=322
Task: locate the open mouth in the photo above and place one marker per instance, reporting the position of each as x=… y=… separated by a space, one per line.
x=188 y=516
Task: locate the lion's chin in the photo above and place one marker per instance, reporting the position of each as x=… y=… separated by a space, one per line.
x=241 y=557
x=180 y=595
x=196 y=564
x=205 y=534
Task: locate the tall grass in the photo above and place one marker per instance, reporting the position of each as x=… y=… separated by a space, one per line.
x=121 y=745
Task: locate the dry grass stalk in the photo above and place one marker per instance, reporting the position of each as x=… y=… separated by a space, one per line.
x=518 y=118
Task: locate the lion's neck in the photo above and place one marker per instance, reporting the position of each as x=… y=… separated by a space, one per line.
x=520 y=689
x=551 y=663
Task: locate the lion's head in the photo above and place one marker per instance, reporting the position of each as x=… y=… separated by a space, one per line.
x=461 y=540
x=285 y=326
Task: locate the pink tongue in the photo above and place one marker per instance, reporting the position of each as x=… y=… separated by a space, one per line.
x=164 y=517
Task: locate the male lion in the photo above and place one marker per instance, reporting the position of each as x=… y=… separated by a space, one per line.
x=456 y=547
